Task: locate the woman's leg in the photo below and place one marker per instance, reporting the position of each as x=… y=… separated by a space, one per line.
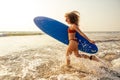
x=68 y=53
x=76 y=52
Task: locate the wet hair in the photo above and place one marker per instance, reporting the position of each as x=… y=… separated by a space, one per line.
x=73 y=17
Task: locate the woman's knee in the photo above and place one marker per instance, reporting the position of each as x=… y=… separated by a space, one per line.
x=68 y=53
x=77 y=55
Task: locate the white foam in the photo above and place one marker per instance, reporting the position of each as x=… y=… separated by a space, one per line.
x=116 y=63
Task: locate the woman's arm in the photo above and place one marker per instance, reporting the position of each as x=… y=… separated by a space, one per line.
x=82 y=34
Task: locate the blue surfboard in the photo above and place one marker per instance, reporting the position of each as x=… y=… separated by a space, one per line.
x=58 y=31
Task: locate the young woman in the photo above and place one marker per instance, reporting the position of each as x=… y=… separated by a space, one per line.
x=72 y=18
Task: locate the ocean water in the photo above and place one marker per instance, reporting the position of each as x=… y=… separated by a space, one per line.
x=108 y=43
x=40 y=57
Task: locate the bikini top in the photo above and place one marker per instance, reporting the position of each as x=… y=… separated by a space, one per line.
x=71 y=31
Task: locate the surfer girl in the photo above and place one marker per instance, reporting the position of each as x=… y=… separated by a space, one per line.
x=72 y=19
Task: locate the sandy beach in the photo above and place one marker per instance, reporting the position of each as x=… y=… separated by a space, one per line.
x=40 y=57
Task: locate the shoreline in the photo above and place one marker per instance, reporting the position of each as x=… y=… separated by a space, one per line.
x=19 y=33
x=22 y=33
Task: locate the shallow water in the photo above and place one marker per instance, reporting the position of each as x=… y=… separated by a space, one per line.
x=43 y=58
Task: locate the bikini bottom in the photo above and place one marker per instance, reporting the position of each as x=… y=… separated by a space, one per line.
x=74 y=40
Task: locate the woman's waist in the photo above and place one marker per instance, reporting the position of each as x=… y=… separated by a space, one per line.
x=74 y=39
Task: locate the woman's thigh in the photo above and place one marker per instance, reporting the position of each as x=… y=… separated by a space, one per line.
x=73 y=45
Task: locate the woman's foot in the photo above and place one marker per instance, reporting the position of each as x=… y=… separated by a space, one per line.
x=92 y=57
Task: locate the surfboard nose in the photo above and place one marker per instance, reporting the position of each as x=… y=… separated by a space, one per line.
x=38 y=18
x=41 y=18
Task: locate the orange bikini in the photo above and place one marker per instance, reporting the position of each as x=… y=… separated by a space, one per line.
x=72 y=31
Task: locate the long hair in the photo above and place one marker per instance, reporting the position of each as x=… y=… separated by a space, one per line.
x=73 y=17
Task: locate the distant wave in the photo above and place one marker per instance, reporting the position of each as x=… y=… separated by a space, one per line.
x=112 y=40
x=19 y=33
